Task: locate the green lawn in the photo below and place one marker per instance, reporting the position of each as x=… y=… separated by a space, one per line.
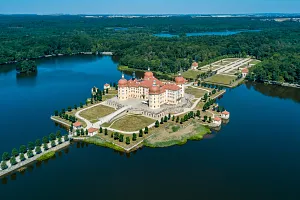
x=220 y=79
x=96 y=112
x=196 y=92
x=191 y=74
x=132 y=123
x=254 y=62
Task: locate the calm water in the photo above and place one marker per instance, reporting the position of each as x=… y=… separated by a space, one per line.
x=255 y=156
x=223 y=33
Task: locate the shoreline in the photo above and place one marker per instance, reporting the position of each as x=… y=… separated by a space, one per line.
x=59 y=55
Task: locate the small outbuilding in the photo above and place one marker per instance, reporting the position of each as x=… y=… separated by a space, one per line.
x=225 y=115
x=194 y=66
x=77 y=125
x=92 y=131
x=245 y=72
x=217 y=121
x=106 y=86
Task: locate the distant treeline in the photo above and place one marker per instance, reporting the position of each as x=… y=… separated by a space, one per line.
x=277 y=45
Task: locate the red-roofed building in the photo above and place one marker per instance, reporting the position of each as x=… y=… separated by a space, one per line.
x=151 y=89
x=77 y=125
x=92 y=131
x=194 y=66
x=225 y=115
x=106 y=86
x=245 y=71
x=217 y=121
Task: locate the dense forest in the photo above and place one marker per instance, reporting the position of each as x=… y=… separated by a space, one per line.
x=277 y=44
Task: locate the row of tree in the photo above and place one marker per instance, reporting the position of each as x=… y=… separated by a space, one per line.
x=31 y=148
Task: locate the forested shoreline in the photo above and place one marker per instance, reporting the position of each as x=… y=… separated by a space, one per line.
x=277 y=45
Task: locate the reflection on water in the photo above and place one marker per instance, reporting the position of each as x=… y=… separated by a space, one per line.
x=276 y=91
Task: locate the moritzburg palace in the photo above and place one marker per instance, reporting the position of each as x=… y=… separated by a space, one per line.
x=150 y=89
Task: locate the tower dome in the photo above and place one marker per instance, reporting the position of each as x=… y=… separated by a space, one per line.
x=148 y=74
x=122 y=82
x=179 y=79
x=154 y=89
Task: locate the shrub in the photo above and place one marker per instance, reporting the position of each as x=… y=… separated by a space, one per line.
x=22 y=157
x=29 y=153
x=53 y=144
x=141 y=133
x=5 y=156
x=134 y=137
x=127 y=140
x=13 y=160
x=38 y=150
x=4 y=165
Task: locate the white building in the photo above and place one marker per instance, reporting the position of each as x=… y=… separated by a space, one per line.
x=194 y=66
x=92 y=131
x=152 y=90
x=217 y=121
x=77 y=125
x=245 y=72
x=225 y=115
x=106 y=86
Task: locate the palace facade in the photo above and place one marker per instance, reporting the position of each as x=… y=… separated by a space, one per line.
x=152 y=90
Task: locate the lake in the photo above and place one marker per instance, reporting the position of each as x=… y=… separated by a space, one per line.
x=222 y=33
x=255 y=156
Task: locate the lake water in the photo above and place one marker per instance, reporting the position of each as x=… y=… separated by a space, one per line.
x=223 y=33
x=255 y=156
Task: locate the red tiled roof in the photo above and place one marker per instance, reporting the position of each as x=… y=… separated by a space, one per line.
x=245 y=70
x=92 y=130
x=217 y=119
x=171 y=87
x=195 y=64
x=106 y=84
x=179 y=80
x=76 y=124
x=225 y=112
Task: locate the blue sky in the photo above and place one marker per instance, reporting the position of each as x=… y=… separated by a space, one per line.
x=148 y=6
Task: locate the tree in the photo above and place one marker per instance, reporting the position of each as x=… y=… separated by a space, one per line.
x=14 y=152
x=181 y=121
x=162 y=120
x=86 y=132
x=81 y=105
x=169 y=116
x=56 y=113
x=53 y=144
x=38 y=150
x=5 y=156
x=31 y=145
x=38 y=143
x=29 y=153
x=75 y=107
x=209 y=119
x=69 y=108
x=141 y=133
x=52 y=136
x=127 y=140
x=13 y=161
x=77 y=132
x=121 y=138
x=58 y=134
x=106 y=90
x=66 y=137
x=105 y=132
x=177 y=119
x=71 y=127
x=165 y=119
x=146 y=130
x=134 y=137
x=59 y=140
x=198 y=113
x=23 y=149
x=22 y=157
x=156 y=124
x=116 y=136
x=100 y=130
x=45 y=146
x=45 y=140
x=173 y=118
x=4 y=165
x=82 y=132
x=205 y=118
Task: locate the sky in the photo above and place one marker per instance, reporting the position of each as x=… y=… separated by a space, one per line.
x=148 y=6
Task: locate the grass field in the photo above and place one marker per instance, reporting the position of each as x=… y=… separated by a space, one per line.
x=132 y=123
x=68 y=122
x=196 y=92
x=220 y=79
x=254 y=62
x=96 y=112
x=191 y=74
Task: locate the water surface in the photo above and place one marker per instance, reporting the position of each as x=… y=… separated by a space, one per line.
x=255 y=156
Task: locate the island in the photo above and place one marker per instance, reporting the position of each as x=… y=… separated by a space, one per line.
x=153 y=112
